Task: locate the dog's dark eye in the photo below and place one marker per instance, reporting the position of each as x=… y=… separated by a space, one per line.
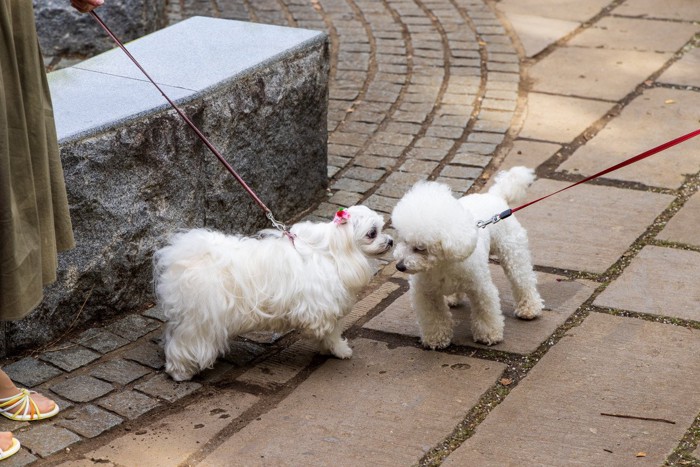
x=372 y=233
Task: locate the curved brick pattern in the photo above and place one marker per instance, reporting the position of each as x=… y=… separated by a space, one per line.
x=419 y=89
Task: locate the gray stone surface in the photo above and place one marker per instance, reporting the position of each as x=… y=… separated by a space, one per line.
x=82 y=388
x=22 y=458
x=63 y=30
x=100 y=340
x=240 y=353
x=381 y=404
x=672 y=114
x=554 y=415
x=584 y=229
x=120 y=371
x=30 y=372
x=129 y=404
x=44 y=440
x=70 y=358
x=165 y=388
x=135 y=173
x=642 y=289
x=133 y=326
x=90 y=421
x=561 y=298
x=683 y=226
x=147 y=353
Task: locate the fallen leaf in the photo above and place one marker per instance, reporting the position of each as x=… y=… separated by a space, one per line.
x=641 y=454
x=669 y=101
x=506 y=381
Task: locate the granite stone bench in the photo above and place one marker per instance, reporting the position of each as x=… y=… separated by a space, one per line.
x=135 y=172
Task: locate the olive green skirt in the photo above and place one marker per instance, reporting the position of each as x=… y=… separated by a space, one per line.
x=34 y=217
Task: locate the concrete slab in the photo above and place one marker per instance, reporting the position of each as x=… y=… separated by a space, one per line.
x=671 y=113
x=636 y=34
x=380 y=405
x=536 y=32
x=586 y=228
x=570 y=10
x=608 y=365
x=685 y=71
x=682 y=10
x=171 y=440
x=683 y=227
x=659 y=281
x=528 y=153
x=561 y=297
x=560 y=119
x=594 y=73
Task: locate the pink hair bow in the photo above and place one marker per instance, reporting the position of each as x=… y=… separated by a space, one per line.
x=341 y=217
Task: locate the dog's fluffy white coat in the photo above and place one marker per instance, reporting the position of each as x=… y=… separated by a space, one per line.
x=447 y=256
x=213 y=286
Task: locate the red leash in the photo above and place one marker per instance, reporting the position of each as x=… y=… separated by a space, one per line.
x=268 y=213
x=631 y=160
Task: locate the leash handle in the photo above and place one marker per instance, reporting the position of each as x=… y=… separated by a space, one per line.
x=268 y=213
x=626 y=162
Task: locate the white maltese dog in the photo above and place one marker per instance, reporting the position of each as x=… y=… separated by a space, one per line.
x=447 y=256
x=213 y=286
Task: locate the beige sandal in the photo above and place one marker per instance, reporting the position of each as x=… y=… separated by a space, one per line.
x=22 y=408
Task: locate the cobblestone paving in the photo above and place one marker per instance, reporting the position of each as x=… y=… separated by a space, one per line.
x=440 y=89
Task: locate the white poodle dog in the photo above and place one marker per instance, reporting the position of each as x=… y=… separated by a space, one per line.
x=447 y=256
x=213 y=286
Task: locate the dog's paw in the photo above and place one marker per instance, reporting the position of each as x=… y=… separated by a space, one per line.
x=489 y=339
x=437 y=341
x=489 y=332
x=456 y=299
x=341 y=350
x=177 y=375
x=529 y=309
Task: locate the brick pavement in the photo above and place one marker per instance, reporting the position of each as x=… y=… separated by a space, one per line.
x=451 y=90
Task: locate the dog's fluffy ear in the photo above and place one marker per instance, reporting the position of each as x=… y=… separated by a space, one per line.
x=430 y=215
x=458 y=244
x=457 y=238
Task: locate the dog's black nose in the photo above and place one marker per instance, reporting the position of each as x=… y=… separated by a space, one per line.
x=400 y=266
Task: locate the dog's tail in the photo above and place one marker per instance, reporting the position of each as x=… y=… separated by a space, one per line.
x=512 y=184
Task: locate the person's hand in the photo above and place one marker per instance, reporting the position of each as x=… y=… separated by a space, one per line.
x=86 y=6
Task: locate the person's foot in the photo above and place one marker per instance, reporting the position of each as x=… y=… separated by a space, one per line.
x=44 y=405
x=5 y=440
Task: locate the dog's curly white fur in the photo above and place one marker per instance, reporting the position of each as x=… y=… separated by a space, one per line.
x=447 y=256
x=213 y=286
